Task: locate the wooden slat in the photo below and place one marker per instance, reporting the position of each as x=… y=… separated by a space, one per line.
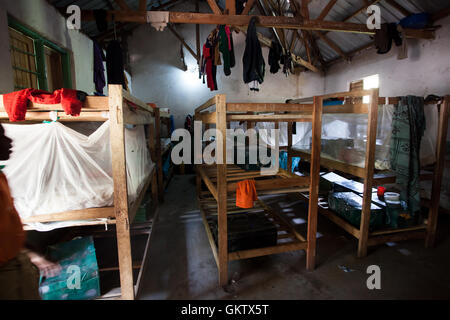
x=93 y=116
x=92 y=103
x=211 y=187
x=268 y=107
x=144 y=263
x=136 y=102
x=207 y=117
x=272 y=184
x=246 y=254
x=392 y=231
x=117 y=133
x=206 y=105
x=85 y=214
x=374 y=241
x=212 y=243
x=270 y=118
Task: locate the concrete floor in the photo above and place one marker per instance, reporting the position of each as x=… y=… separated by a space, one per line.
x=182 y=266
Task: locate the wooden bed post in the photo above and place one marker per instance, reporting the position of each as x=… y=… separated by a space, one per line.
x=221 y=112
x=198 y=178
x=159 y=163
x=117 y=134
x=438 y=172
x=151 y=144
x=368 y=175
x=314 y=182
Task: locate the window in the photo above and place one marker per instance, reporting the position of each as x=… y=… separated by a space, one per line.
x=37 y=63
x=23 y=58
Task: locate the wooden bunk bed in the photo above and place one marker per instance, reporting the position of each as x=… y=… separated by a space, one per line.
x=221 y=181
x=371 y=179
x=121 y=109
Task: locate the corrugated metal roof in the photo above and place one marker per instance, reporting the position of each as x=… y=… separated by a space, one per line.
x=342 y=9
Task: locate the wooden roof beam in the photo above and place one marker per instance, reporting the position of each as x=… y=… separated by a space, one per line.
x=332 y=45
x=248 y=6
x=327 y=9
x=230 y=7
x=214 y=6
x=179 y=37
x=241 y=20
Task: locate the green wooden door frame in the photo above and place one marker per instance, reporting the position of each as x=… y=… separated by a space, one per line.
x=39 y=43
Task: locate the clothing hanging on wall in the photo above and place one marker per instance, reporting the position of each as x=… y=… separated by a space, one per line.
x=226 y=48
x=99 y=69
x=253 y=61
x=274 y=56
x=114 y=63
x=385 y=36
x=100 y=20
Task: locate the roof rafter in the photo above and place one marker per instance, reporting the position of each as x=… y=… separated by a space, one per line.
x=263 y=21
x=327 y=9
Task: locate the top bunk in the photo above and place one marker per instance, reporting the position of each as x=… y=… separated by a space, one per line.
x=94 y=109
x=223 y=177
x=61 y=176
x=349 y=123
x=253 y=112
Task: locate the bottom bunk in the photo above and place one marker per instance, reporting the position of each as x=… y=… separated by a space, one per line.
x=252 y=232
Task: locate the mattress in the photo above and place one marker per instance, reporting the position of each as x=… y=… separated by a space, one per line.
x=54 y=168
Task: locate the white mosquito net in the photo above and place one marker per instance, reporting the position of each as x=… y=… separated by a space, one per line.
x=54 y=168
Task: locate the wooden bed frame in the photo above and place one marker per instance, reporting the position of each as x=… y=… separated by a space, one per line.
x=366 y=238
x=120 y=108
x=220 y=180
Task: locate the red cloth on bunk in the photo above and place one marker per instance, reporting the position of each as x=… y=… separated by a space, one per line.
x=16 y=103
x=12 y=236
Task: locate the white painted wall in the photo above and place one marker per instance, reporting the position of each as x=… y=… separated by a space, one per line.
x=426 y=71
x=47 y=21
x=158 y=78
